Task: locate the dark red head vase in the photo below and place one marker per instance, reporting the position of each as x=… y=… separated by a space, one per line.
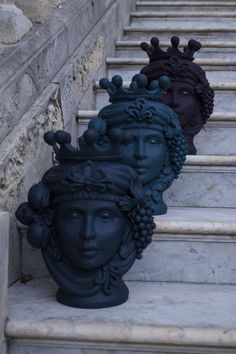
x=190 y=94
x=90 y=219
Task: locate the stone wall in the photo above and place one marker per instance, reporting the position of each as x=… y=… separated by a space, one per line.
x=44 y=80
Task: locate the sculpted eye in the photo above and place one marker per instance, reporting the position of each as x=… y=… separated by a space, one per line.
x=105 y=215
x=186 y=92
x=153 y=141
x=74 y=214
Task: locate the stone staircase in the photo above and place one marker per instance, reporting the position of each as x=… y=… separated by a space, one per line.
x=183 y=291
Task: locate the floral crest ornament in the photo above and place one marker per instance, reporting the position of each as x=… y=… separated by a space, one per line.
x=90 y=217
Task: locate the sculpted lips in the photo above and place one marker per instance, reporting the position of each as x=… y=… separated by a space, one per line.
x=140 y=168
x=88 y=251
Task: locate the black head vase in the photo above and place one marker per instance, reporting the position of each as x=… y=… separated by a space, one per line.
x=90 y=219
x=190 y=94
x=157 y=147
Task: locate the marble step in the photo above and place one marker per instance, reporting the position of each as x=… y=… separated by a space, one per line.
x=217 y=69
x=195 y=20
x=159 y=318
x=164 y=32
x=225 y=97
x=205 y=181
x=223 y=50
x=193 y=6
x=216 y=138
x=194 y=245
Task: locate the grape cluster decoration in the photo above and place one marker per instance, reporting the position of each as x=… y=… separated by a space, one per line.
x=143 y=226
x=207 y=102
x=178 y=149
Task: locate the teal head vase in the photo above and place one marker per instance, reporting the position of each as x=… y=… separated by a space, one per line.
x=90 y=218
x=157 y=147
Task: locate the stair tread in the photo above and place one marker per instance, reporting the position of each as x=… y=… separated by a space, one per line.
x=165 y=28
x=229 y=86
x=182 y=14
x=145 y=61
x=173 y=313
x=217 y=116
x=135 y=43
x=187 y=3
x=204 y=214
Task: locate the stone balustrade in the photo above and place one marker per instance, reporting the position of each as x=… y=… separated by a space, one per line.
x=4 y=237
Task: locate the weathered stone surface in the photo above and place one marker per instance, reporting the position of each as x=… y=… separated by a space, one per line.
x=76 y=76
x=16 y=98
x=37 y=10
x=27 y=69
x=13 y=23
x=88 y=62
x=4 y=238
x=24 y=157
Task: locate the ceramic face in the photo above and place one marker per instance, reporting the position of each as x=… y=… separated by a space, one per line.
x=181 y=97
x=89 y=231
x=146 y=154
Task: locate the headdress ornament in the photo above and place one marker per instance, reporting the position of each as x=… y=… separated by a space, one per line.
x=155 y=53
x=137 y=106
x=138 y=88
x=90 y=147
x=82 y=177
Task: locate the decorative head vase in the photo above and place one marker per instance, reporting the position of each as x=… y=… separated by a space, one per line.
x=90 y=219
x=190 y=94
x=157 y=149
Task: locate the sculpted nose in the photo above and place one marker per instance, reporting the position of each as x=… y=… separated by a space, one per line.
x=87 y=231
x=174 y=101
x=140 y=151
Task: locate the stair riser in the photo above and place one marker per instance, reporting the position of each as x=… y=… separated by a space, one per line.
x=200 y=186
x=222 y=53
x=214 y=74
x=172 y=258
x=184 y=35
x=183 y=22
x=179 y=261
x=63 y=347
x=217 y=139
x=224 y=100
